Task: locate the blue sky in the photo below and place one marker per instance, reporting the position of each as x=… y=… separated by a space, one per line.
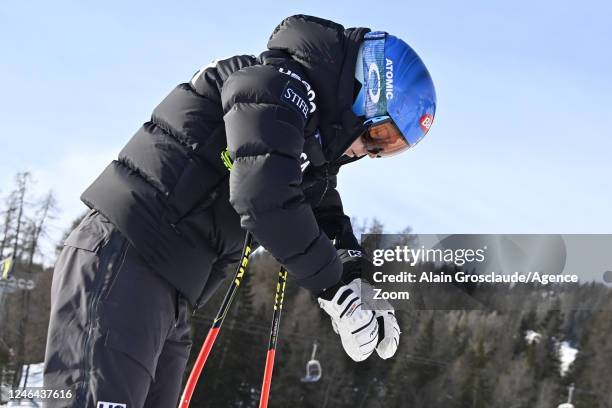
x=521 y=141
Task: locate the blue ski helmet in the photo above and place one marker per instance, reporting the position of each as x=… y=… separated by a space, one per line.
x=396 y=90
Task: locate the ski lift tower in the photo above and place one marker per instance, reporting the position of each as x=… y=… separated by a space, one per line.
x=568 y=404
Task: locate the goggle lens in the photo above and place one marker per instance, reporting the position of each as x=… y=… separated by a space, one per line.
x=384 y=139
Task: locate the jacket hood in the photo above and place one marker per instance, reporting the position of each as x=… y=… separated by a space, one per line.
x=327 y=53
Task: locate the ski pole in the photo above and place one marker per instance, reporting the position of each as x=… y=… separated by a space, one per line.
x=214 y=330
x=278 y=306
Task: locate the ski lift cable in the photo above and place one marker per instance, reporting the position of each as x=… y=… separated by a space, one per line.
x=250 y=326
x=294 y=338
x=253 y=328
x=259 y=330
x=483 y=373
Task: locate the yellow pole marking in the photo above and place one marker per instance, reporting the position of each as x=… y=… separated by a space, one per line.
x=6 y=266
x=243 y=264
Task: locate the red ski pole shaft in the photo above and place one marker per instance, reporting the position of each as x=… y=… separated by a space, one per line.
x=278 y=306
x=267 y=381
x=194 y=376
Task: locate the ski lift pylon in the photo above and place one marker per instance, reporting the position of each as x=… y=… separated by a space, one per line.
x=570 y=393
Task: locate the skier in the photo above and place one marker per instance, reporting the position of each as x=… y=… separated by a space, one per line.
x=168 y=215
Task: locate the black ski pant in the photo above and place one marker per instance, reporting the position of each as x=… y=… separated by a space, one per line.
x=119 y=334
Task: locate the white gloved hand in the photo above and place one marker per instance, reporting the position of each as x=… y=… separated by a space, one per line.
x=357 y=327
x=389 y=335
x=388 y=328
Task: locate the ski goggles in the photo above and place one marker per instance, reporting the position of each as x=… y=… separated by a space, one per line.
x=382 y=138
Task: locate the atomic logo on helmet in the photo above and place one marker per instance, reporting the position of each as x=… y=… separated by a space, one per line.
x=396 y=91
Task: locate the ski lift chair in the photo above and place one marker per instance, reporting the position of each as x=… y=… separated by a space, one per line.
x=313 y=367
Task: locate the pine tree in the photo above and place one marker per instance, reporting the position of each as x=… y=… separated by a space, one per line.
x=528 y=322
x=376 y=227
x=22 y=180
x=8 y=223
x=548 y=359
x=476 y=390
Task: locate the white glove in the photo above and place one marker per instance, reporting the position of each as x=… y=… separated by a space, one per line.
x=358 y=328
x=388 y=329
x=389 y=334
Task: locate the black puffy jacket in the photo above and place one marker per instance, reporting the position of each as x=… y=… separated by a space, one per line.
x=285 y=118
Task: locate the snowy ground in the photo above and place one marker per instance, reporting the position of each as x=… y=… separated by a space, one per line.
x=35 y=379
x=531 y=337
x=567 y=354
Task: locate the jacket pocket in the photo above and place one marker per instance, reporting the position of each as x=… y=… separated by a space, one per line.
x=137 y=312
x=140 y=338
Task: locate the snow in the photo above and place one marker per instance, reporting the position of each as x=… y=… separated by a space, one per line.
x=22 y=404
x=567 y=355
x=532 y=337
x=35 y=376
x=35 y=379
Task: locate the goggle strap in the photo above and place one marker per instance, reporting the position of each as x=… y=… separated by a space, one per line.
x=374 y=74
